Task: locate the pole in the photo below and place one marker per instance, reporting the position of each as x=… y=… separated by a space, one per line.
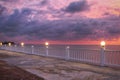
x=68 y=52
x=47 y=51
x=15 y=46
x=102 y=62
x=32 y=49
x=23 y=48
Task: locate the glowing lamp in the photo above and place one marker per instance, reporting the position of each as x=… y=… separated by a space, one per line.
x=22 y=44
x=46 y=43
x=9 y=44
x=1 y=44
x=102 y=43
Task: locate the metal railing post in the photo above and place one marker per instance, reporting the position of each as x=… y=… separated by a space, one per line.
x=47 y=52
x=23 y=49
x=102 y=57
x=15 y=47
x=68 y=53
x=32 y=49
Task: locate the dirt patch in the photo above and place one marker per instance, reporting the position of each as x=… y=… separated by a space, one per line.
x=9 y=72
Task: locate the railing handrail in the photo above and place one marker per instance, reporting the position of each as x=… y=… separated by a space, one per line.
x=99 y=56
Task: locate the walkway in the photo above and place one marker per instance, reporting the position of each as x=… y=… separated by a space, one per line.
x=56 y=69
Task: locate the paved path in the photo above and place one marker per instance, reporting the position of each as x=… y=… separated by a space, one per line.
x=10 y=72
x=56 y=69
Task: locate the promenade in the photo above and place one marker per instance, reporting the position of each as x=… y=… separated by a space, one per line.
x=57 y=69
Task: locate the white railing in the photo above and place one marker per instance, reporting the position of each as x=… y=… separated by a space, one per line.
x=112 y=58
x=85 y=55
x=100 y=57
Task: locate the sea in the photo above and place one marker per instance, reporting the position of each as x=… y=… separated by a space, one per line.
x=90 y=47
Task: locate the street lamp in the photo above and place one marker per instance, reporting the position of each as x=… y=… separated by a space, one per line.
x=68 y=52
x=9 y=44
x=1 y=44
x=22 y=44
x=32 y=47
x=102 y=53
x=103 y=44
x=46 y=44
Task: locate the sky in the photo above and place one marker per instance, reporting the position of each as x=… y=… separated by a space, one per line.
x=60 y=21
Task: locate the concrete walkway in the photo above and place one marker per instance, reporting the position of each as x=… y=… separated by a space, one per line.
x=56 y=69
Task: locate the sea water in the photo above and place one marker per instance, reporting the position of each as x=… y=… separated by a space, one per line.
x=91 y=47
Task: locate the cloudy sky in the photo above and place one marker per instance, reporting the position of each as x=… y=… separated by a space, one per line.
x=74 y=21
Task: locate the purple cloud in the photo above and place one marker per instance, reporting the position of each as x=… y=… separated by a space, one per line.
x=2 y=9
x=9 y=1
x=17 y=25
x=44 y=2
x=77 y=6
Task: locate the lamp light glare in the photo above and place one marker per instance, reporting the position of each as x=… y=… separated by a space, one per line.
x=1 y=44
x=102 y=43
x=9 y=44
x=46 y=43
x=22 y=44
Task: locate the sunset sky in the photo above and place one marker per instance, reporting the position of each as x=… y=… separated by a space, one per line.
x=60 y=21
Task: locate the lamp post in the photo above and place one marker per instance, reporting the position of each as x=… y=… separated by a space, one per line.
x=9 y=44
x=46 y=44
x=1 y=44
x=10 y=48
x=22 y=45
x=68 y=52
x=15 y=46
x=103 y=44
x=32 y=49
x=102 y=52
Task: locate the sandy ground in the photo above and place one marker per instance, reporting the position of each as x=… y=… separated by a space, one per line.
x=56 y=69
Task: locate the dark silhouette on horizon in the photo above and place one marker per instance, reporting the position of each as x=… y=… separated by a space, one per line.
x=7 y=43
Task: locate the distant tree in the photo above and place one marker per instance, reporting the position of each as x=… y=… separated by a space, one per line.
x=7 y=43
